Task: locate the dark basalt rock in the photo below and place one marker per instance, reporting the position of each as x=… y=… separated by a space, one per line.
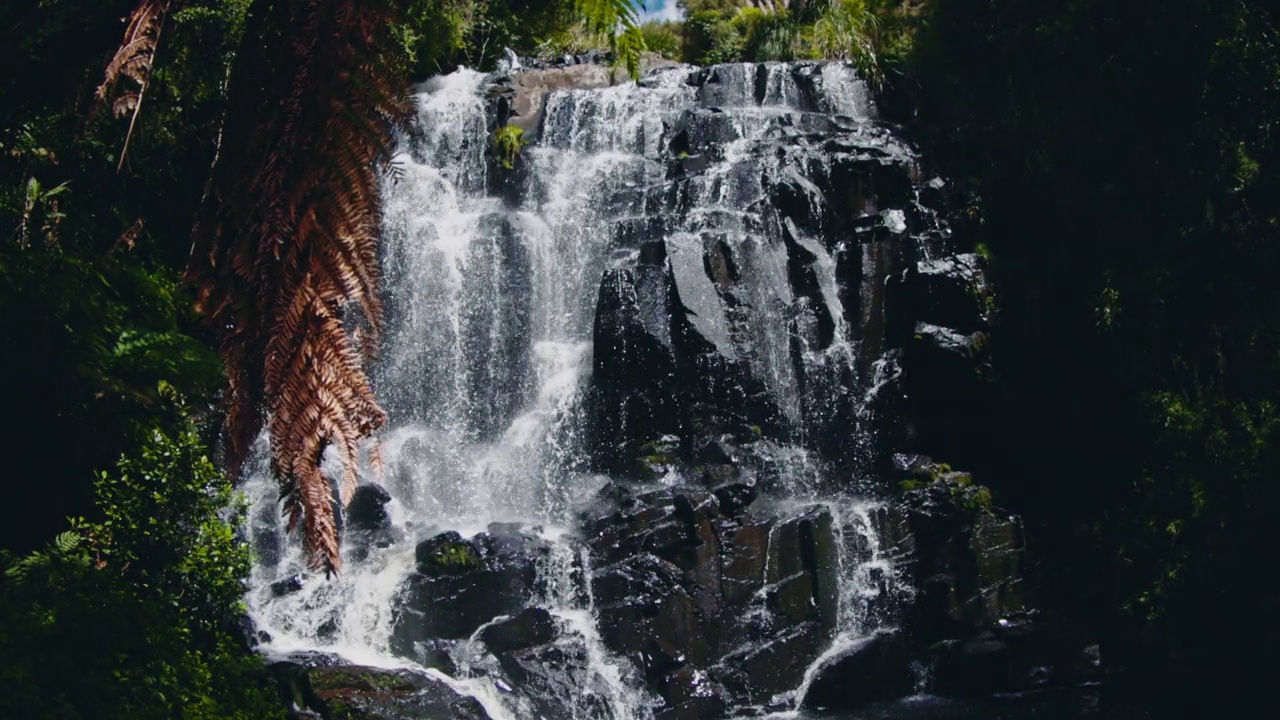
x=433 y=653
x=874 y=668
x=947 y=376
x=951 y=292
x=700 y=592
x=727 y=319
x=557 y=679
x=367 y=523
x=692 y=695
x=446 y=554
x=353 y=692
x=735 y=497
x=758 y=671
x=969 y=562
x=288 y=586
x=634 y=373
x=463 y=584
x=532 y=626
x=970 y=620
x=367 y=510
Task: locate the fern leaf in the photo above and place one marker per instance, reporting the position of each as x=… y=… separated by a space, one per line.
x=285 y=249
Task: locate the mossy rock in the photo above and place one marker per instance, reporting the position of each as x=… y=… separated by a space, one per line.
x=358 y=678
x=352 y=692
x=655 y=457
x=447 y=554
x=973 y=498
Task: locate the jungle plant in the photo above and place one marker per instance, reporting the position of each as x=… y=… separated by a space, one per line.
x=508 y=141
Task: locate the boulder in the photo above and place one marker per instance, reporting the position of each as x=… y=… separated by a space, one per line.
x=447 y=554
x=366 y=521
x=951 y=292
x=532 y=87
x=692 y=695
x=287 y=586
x=353 y=692
x=531 y=626
x=463 y=584
x=969 y=562
x=756 y=672
x=367 y=510
x=947 y=378
x=868 y=670
x=557 y=679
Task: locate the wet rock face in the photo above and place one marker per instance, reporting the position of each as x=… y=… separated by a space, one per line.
x=462 y=584
x=791 y=249
x=968 y=561
x=714 y=604
x=367 y=523
x=520 y=97
x=872 y=669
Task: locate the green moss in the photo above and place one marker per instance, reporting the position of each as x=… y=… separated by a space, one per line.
x=456 y=554
x=508 y=141
x=716 y=474
x=974 y=498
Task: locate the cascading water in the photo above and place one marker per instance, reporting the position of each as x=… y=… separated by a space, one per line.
x=496 y=285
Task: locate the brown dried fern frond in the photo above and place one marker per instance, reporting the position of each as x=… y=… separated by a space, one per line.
x=285 y=249
x=133 y=61
x=136 y=54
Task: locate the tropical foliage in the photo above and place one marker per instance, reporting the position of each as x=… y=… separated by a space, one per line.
x=136 y=616
x=718 y=31
x=280 y=274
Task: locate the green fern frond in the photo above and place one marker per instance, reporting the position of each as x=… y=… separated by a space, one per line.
x=627 y=48
x=66 y=542
x=619 y=22
x=607 y=17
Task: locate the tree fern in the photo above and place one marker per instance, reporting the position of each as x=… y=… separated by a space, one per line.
x=285 y=252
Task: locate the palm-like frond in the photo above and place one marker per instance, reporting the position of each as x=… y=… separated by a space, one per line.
x=135 y=56
x=619 y=22
x=285 y=248
x=133 y=61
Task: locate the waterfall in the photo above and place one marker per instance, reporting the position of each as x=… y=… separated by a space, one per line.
x=500 y=377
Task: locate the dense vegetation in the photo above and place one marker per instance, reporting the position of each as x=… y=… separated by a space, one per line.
x=1117 y=162
x=1121 y=160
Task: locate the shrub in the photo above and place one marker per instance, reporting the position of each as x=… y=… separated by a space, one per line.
x=662 y=38
x=136 y=616
x=508 y=141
